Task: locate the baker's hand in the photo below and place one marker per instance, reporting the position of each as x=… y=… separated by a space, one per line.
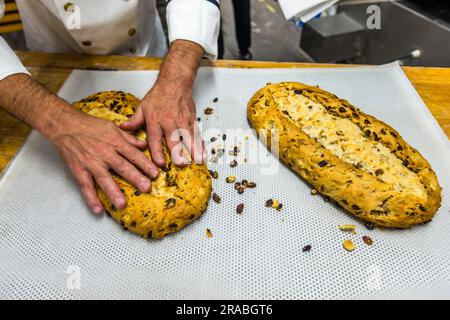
x=168 y=109
x=92 y=147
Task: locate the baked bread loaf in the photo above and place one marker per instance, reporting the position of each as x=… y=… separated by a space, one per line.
x=357 y=161
x=178 y=195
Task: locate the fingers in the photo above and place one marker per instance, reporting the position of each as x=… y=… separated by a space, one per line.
x=135 y=122
x=155 y=136
x=127 y=171
x=137 y=158
x=134 y=141
x=87 y=187
x=174 y=143
x=109 y=186
x=192 y=141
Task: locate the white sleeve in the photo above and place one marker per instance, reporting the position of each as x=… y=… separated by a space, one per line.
x=197 y=21
x=9 y=62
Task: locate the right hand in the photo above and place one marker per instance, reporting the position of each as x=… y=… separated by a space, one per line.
x=92 y=147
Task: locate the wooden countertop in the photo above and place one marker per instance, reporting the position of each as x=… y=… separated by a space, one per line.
x=433 y=85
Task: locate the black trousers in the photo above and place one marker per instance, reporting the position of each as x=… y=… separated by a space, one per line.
x=242 y=20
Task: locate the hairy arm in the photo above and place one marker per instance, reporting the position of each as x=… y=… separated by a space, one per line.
x=168 y=109
x=90 y=146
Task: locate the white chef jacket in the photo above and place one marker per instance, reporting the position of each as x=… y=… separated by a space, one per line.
x=125 y=27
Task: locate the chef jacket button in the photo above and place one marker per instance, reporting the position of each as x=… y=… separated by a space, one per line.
x=68 y=6
x=131 y=32
x=86 y=43
x=133 y=50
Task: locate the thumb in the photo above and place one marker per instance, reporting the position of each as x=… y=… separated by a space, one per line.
x=135 y=122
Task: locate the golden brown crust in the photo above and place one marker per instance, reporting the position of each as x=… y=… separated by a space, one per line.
x=178 y=195
x=361 y=192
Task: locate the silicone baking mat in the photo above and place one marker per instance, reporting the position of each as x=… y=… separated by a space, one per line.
x=52 y=247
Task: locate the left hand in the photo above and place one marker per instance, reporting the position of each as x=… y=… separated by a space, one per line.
x=169 y=112
x=168 y=109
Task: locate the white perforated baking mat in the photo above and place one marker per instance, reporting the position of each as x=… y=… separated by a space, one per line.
x=52 y=247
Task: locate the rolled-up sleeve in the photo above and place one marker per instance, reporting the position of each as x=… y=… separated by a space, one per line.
x=197 y=21
x=9 y=62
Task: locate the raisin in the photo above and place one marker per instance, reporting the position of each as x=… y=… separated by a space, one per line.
x=379 y=172
x=342 y=109
x=240 y=208
x=215 y=100
x=306 y=248
x=355 y=207
x=216 y=198
x=323 y=163
x=137 y=193
x=269 y=203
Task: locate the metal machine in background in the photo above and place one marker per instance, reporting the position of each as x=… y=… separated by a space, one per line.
x=413 y=32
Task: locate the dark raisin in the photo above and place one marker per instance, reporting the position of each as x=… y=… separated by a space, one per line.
x=213 y=139
x=173 y=225
x=422 y=208
x=399 y=148
x=393 y=134
x=323 y=163
x=233 y=163
x=244 y=182
x=379 y=172
x=355 y=207
x=366 y=121
x=367 y=133
x=137 y=193
x=237 y=185
x=342 y=109
x=367 y=240
x=165 y=169
x=224 y=137
x=209 y=111
x=191 y=217
x=215 y=100
x=240 y=208
x=369 y=225
x=251 y=184
x=298 y=91
x=405 y=163
x=240 y=190
x=121 y=190
x=133 y=224
x=269 y=203
x=306 y=248
x=383 y=131
x=170 y=203
x=216 y=198
x=199 y=119
x=285 y=112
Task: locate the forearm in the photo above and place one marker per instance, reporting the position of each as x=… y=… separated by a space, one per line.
x=180 y=66
x=32 y=103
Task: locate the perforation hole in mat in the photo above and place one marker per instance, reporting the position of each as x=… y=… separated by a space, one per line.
x=45 y=227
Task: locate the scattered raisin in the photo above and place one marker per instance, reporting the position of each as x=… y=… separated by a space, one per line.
x=269 y=203
x=306 y=248
x=367 y=240
x=369 y=225
x=215 y=100
x=251 y=184
x=216 y=198
x=209 y=111
x=240 y=208
x=233 y=163
x=213 y=139
x=224 y=137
